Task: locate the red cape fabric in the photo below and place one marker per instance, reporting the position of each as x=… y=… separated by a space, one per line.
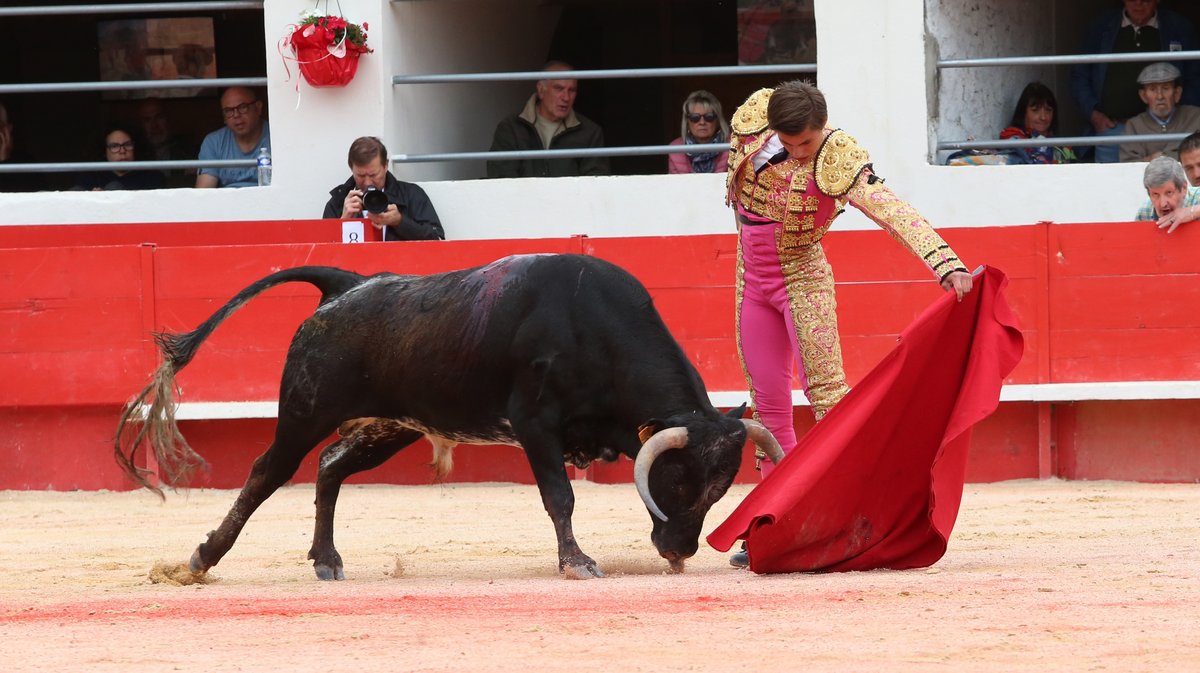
x=878 y=482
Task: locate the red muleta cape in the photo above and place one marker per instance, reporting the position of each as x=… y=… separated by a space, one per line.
x=877 y=483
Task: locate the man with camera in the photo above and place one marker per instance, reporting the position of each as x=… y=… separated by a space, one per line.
x=401 y=211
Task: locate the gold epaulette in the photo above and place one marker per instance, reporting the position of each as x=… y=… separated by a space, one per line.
x=839 y=163
x=751 y=116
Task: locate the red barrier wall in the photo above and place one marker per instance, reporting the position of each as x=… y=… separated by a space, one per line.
x=1097 y=302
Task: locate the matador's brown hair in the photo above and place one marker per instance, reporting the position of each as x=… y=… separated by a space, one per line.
x=797 y=106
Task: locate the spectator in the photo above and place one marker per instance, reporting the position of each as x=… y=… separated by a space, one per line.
x=9 y=154
x=161 y=143
x=1107 y=93
x=703 y=123
x=1036 y=116
x=1160 y=89
x=409 y=214
x=1172 y=202
x=119 y=145
x=245 y=131
x=785 y=200
x=549 y=121
x=1189 y=156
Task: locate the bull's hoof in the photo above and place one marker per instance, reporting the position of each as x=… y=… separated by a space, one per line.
x=581 y=571
x=178 y=575
x=676 y=565
x=328 y=572
x=197 y=565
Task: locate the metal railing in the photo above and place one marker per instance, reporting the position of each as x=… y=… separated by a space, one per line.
x=1070 y=59
x=1074 y=59
x=72 y=166
x=135 y=85
x=1060 y=141
x=131 y=8
x=614 y=73
x=506 y=155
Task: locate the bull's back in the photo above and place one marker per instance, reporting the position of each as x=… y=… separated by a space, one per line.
x=454 y=346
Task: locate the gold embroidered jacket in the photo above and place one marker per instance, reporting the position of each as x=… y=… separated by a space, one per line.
x=806 y=196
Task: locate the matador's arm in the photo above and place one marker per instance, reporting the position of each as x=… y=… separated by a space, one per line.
x=902 y=221
x=843 y=171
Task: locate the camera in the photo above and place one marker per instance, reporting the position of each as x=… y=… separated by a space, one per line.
x=374 y=200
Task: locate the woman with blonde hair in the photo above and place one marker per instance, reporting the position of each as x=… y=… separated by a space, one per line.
x=703 y=124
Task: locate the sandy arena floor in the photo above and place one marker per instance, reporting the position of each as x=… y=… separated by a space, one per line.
x=1040 y=576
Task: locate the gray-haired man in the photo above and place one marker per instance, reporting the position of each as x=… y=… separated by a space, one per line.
x=1172 y=202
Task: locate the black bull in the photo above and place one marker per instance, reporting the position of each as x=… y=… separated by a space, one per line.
x=562 y=355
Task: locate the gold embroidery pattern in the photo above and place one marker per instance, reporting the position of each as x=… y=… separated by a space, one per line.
x=751 y=116
x=839 y=163
x=741 y=149
x=809 y=282
x=902 y=221
x=778 y=193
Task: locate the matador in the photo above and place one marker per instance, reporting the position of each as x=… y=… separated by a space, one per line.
x=790 y=176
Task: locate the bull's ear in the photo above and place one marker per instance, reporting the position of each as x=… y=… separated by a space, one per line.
x=737 y=412
x=647 y=429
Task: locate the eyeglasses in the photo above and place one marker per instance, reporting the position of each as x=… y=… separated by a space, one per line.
x=237 y=109
x=707 y=116
x=126 y=146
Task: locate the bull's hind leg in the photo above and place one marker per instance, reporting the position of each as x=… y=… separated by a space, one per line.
x=293 y=441
x=365 y=444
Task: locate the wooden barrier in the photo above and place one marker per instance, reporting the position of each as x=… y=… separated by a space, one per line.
x=1108 y=386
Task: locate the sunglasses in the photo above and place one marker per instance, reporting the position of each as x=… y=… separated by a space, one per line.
x=707 y=116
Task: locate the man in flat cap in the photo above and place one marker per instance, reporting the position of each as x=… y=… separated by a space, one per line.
x=1160 y=89
x=1106 y=93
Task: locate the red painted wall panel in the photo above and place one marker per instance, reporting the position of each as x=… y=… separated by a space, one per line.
x=1121 y=249
x=170 y=233
x=1142 y=440
x=1097 y=302
x=71 y=325
x=59 y=449
x=1005 y=445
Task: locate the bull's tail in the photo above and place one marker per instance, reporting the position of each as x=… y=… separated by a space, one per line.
x=150 y=416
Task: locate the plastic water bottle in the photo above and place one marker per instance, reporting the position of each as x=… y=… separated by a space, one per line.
x=264 y=166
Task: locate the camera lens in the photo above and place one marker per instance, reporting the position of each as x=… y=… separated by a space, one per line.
x=374 y=200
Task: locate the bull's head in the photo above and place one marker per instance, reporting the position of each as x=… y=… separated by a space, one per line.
x=686 y=483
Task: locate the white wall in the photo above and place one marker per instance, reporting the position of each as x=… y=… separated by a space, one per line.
x=874 y=70
x=975 y=103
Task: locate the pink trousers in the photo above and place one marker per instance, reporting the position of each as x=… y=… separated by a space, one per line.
x=786 y=315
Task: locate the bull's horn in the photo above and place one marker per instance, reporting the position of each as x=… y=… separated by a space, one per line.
x=763 y=439
x=663 y=440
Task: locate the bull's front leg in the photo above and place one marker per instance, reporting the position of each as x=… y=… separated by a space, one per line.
x=559 y=500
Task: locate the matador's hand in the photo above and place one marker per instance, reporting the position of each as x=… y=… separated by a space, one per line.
x=959 y=281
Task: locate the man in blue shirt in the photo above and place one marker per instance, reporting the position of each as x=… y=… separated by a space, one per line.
x=244 y=133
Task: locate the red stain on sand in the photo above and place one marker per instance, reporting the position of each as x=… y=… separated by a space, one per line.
x=520 y=604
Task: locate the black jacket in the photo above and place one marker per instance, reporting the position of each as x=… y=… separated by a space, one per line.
x=517 y=132
x=419 y=220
